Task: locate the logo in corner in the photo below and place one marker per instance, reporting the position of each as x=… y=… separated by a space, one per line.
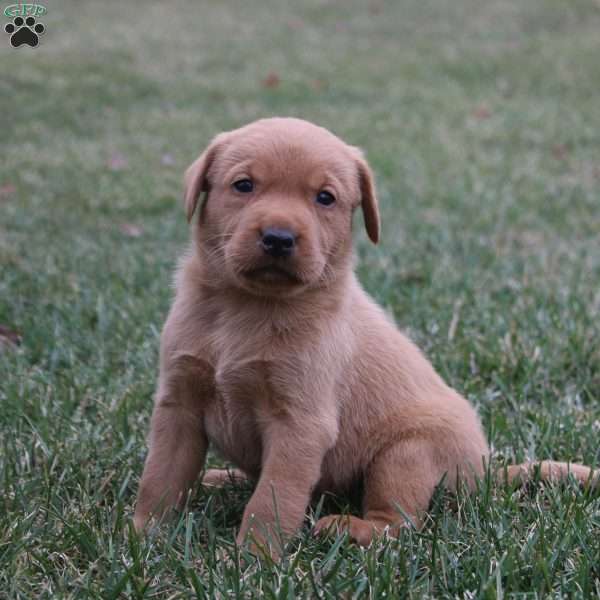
x=25 y=29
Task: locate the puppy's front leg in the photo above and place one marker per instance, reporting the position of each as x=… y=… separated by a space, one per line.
x=177 y=443
x=291 y=468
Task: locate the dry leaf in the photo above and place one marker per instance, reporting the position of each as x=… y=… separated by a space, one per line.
x=559 y=151
x=9 y=339
x=482 y=112
x=117 y=162
x=131 y=230
x=295 y=23
x=375 y=8
x=7 y=190
x=272 y=80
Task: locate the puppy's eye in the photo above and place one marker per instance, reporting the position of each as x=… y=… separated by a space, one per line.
x=325 y=198
x=244 y=186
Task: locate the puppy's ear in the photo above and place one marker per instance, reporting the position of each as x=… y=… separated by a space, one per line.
x=368 y=198
x=196 y=176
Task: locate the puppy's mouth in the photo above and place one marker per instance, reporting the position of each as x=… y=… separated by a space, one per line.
x=272 y=274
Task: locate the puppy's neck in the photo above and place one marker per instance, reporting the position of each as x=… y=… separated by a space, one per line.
x=309 y=305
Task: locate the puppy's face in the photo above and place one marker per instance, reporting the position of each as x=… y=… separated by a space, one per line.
x=280 y=194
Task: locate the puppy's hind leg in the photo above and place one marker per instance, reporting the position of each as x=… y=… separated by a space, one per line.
x=399 y=485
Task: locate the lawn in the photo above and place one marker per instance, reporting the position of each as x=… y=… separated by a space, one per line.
x=481 y=121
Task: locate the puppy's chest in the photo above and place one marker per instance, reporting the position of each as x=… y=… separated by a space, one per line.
x=260 y=374
x=249 y=359
x=246 y=398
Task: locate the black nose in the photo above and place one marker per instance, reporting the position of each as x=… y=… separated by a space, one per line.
x=278 y=242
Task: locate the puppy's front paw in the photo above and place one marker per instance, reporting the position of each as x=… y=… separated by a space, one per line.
x=258 y=549
x=141 y=521
x=262 y=541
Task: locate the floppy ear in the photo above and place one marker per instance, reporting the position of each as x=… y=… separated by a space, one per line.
x=195 y=178
x=368 y=198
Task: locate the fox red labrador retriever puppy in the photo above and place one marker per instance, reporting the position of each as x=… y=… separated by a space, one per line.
x=274 y=353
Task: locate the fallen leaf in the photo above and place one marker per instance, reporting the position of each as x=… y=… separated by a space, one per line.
x=117 y=162
x=375 y=8
x=9 y=339
x=318 y=84
x=131 y=230
x=295 y=23
x=7 y=190
x=559 y=151
x=272 y=80
x=482 y=112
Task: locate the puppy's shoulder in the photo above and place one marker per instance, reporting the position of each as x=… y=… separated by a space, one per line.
x=366 y=315
x=189 y=274
x=186 y=327
x=383 y=347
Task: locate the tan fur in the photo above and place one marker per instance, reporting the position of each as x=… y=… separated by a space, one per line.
x=304 y=383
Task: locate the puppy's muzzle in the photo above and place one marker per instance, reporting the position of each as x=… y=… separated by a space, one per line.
x=278 y=243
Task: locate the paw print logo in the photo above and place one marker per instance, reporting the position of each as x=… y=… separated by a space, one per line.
x=24 y=31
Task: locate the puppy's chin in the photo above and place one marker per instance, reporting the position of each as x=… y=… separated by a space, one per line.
x=272 y=274
x=270 y=280
x=273 y=278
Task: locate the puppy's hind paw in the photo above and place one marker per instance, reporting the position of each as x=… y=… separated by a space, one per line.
x=358 y=530
x=221 y=477
x=361 y=531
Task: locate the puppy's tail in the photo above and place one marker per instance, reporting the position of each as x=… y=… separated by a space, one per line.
x=548 y=470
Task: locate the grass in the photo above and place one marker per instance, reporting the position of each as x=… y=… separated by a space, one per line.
x=482 y=123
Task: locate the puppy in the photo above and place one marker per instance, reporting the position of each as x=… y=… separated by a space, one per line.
x=274 y=353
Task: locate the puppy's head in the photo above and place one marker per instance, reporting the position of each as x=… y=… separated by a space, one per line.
x=279 y=199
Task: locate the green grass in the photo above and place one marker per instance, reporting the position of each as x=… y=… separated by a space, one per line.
x=482 y=123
